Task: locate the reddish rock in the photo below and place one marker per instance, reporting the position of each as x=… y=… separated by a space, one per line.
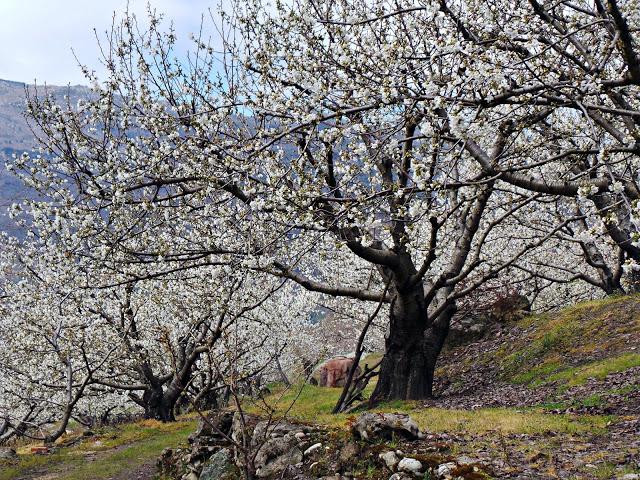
x=333 y=372
x=40 y=450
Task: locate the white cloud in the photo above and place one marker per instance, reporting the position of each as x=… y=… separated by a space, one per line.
x=37 y=36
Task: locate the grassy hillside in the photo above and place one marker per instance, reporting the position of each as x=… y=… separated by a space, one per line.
x=312 y=404
x=112 y=453
x=586 y=351
x=551 y=396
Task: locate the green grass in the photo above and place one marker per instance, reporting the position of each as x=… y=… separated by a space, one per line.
x=314 y=404
x=537 y=375
x=371 y=359
x=598 y=369
x=607 y=470
x=553 y=371
x=625 y=390
x=592 y=401
x=306 y=403
x=142 y=451
x=552 y=341
x=121 y=449
x=506 y=420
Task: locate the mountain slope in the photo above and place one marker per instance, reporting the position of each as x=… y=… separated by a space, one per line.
x=16 y=137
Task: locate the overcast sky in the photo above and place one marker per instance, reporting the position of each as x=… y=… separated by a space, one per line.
x=36 y=36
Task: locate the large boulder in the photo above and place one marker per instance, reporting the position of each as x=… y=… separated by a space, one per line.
x=278 y=447
x=333 y=372
x=276 y=455
x=219 y=465
x=472 y=324
x=468 y=329
x=215 y=429
x=510 y=308
x=206 y=443
x=384 y=426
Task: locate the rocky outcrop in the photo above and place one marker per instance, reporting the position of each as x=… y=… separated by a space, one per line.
x=226 y=445
x=213 y=430
x=209 y=452
x=333 y=372
x=278 y=446
x=510 y=308
x=474 y=324
x=385 y=426
x=218 y=466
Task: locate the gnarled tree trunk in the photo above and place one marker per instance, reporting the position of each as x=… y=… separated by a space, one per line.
x=157 y=405
x=412 y=348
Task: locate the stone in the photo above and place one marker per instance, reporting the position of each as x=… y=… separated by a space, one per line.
x=240 y=422
x=446 y=469
x=333 y=372
x=374 y=426
x=219 y=464
x=465 y=460
x=390 y=459
x=510 y=308
x=312 y=449
x=8 y=453
x=399 y=476
x=410 y=465
x=300 y=435
x=275 y=457
x=468 y=329
x=213 y=430
x=276 y=444
x=179 y=462
x=631 y=476
x=277 y=447
x=264 y=429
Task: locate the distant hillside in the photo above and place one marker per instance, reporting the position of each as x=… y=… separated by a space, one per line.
x=15 y=138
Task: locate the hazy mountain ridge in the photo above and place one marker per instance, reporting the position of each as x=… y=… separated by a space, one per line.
x=16 y=137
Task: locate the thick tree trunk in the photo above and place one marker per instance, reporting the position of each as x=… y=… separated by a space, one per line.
x=412 y=349
x=158 y=406
x=434 y=339
x=404 y=372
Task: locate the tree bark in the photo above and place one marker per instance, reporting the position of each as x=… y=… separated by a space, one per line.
x=403 y=371
x=412 y=349
x=434 y=340
x=157 y=405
